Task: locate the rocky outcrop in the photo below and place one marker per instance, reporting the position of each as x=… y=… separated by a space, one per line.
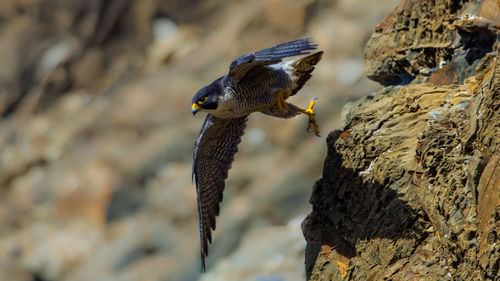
x=410 y=185
x=418 y=38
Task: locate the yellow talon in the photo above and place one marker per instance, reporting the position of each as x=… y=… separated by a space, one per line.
x=312 y=122
x=286 y=104
x=309 y=110
x=281 y=103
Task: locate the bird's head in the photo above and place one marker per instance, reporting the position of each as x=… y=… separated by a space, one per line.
x=207 y=98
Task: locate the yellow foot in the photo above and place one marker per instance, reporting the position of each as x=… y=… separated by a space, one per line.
x=281 y=103
x=312 y=122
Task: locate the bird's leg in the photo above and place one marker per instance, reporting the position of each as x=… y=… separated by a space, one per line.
x=310 y=112
x=280 y=102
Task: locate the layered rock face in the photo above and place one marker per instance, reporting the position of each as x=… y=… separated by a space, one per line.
x=411 y=185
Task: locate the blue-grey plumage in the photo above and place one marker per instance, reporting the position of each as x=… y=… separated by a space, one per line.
x=256 y=82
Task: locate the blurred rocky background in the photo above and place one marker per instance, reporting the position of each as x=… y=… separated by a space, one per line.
x=96 y=135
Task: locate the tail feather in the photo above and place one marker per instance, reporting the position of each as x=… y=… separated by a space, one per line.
x=303 y=68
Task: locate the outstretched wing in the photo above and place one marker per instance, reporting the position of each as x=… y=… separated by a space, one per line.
x=240 y=66
x=213 y=154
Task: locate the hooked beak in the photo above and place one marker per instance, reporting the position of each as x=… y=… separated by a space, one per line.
x=195 y=108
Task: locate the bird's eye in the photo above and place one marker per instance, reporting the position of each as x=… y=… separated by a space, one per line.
x=202 y=100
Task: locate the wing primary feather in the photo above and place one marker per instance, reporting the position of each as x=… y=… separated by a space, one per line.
x=240 y=66
x=213 y=154
x=288 y=49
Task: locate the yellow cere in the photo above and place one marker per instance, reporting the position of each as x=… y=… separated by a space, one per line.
x=195 y=106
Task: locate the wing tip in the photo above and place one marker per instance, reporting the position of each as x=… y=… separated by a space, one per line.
x=203 y=255
x=203 y=267
x=303 y=43
x=310 y=42
x=297 y=47
x=309 y=45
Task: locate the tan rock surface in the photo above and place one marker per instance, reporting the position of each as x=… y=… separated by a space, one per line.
x=410 y=187
x=419 y=37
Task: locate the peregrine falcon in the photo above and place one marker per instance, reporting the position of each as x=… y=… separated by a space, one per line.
x=256 y=82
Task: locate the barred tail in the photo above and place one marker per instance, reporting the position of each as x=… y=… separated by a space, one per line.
x=303 y=68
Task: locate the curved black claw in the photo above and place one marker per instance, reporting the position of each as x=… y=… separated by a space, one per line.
x=312 y=123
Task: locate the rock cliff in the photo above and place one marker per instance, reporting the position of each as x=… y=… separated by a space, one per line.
x=411 y=184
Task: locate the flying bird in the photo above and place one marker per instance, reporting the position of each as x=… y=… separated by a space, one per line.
x=256 y=82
